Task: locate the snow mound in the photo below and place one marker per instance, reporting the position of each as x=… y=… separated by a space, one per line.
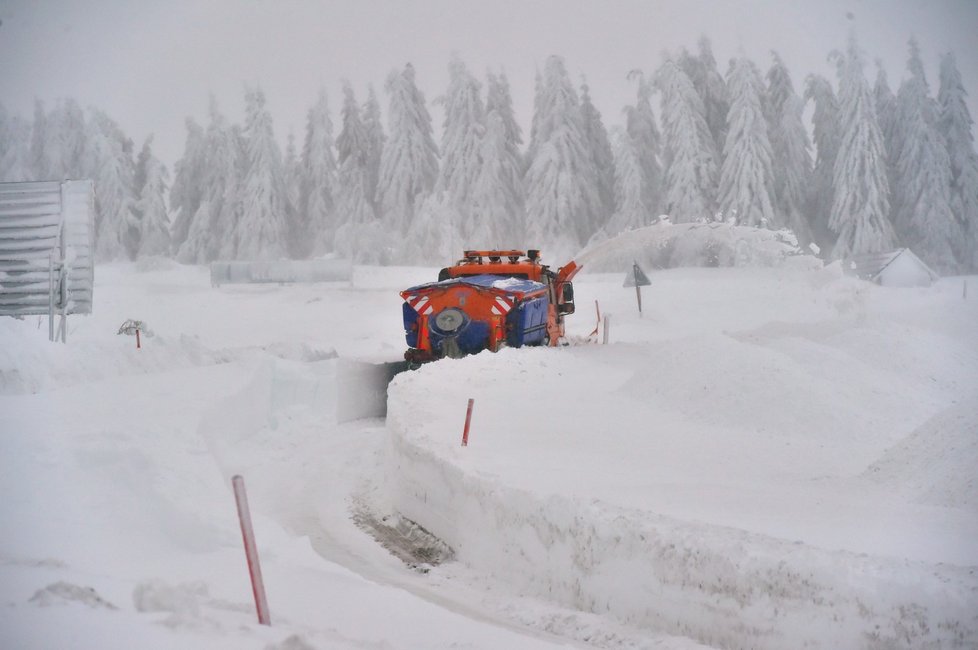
x=936 y=463
x=65 y=592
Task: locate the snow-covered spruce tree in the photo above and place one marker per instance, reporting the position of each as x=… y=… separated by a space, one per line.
x=690 y=158
x=710 y=86
x=497 y=201
x=375 y=137
x=40 y=163
x=317 y=223
x=110 y=154
x=630 y=209
x=956 y=126
x=885 y=103
x=262 y=230
x=562 y=194
x=292 y=168
x=150 y=207
x=746 y=187
x=596 y=137
x=188 y=184
x=409 y=164
x=790 y=149
x=66 y=141
x=499 y=187
x=860 y=207
x=210 y=235
x=827 y=134
x=640 y=123
x=360 y=236
x=464 y=127
x=923 y=217
x=15 y=139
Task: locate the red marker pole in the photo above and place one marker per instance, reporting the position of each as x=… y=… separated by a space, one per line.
x=251 y=550
x=468 y=420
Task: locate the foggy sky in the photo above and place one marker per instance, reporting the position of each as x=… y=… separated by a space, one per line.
x=149 y=65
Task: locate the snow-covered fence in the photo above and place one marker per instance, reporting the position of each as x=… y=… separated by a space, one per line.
x=281 y=271
x=47 y=234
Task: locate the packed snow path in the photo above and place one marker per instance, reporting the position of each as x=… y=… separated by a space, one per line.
x=767 y=458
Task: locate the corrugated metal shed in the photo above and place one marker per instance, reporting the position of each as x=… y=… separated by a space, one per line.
x=47 y=233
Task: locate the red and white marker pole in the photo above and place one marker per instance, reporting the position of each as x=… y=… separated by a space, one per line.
x=468 y=420
x=251 y=549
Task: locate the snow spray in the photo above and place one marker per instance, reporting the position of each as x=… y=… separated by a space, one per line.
x=468 y=420
x=251 y=549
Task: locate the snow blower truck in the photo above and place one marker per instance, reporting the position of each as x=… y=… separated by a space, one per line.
x=485 y=301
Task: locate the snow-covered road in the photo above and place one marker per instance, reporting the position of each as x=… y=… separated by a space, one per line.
x=766 y=457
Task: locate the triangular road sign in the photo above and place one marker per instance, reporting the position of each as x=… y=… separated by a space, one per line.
x=636 y=277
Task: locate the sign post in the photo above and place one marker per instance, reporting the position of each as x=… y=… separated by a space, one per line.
x=637 y=278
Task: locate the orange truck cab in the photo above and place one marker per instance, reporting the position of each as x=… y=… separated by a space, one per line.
x=487 y=300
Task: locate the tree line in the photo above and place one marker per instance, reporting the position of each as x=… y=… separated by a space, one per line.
x=881 y=170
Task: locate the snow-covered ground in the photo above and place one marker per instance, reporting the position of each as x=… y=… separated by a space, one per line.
x=766 y=458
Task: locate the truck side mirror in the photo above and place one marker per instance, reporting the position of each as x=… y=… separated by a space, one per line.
x=568 y=292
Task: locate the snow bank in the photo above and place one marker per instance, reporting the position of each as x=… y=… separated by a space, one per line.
x=753 y=479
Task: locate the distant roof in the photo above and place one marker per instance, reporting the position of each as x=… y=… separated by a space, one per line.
x=869 y=266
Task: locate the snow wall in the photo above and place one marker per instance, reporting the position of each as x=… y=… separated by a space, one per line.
x=720 y=586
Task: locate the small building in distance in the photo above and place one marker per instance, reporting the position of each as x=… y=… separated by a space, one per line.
x=898 y=268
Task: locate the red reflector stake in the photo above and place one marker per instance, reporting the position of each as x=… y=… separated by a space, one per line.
x=251 y=550
x=468 y=420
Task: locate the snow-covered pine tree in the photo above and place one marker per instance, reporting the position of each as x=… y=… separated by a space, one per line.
x=956 y=126
x=790 y=149
x=885 y=103
x=596 y=137
x=40 y=161
x=210 y=235
x=318 y=212
x=498 y=99
x=409 y=164
x=360 y=237
x=630 y=210
x=827 y=134
x=923 y=217
x=15 y=139
x=746 y=188
x=374 y=128
x=110 y=154
x=710 y=86
x=464 y=127
x=150 y=207
x=562 y=194
x=187 y=190
x=860 y=207
x=689 y=156
x=640 y=123
x=66 y=141
x=292 y=168
x=497 y=200
x=500 y=182
x=262 y=230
